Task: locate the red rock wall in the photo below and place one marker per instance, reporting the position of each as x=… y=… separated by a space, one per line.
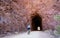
x=15 y=14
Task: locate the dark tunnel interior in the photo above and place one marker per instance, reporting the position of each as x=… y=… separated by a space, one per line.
x=36 y=21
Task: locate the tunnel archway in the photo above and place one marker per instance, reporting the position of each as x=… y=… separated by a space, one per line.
x=36 y=21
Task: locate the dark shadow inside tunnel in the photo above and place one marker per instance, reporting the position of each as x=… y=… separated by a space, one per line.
x=36 y=21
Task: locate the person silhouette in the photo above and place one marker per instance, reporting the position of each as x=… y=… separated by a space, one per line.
x=28 y=28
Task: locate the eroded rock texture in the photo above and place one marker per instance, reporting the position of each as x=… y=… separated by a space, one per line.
x=15 y=14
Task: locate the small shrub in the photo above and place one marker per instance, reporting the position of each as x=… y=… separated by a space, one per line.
x=58 y=29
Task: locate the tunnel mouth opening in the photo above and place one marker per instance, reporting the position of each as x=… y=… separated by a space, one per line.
x=36 y=21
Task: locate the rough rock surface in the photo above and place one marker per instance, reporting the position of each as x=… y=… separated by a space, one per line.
x=15 y=14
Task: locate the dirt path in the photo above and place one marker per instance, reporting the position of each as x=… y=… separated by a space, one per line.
x=33 y=34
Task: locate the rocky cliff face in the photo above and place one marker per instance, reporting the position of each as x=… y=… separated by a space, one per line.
x=15 y=14
x=12 y=16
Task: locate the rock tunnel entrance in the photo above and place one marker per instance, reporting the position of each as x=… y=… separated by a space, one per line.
x=36 y=21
